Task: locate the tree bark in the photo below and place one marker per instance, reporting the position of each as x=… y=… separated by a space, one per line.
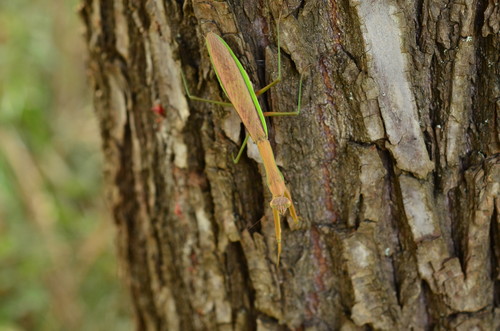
x=393 y=163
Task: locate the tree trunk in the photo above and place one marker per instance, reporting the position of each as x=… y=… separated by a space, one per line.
x=392 y=163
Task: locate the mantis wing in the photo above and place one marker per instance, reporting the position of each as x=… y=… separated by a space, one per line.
x=237 y=86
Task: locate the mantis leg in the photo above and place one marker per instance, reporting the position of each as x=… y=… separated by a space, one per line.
x=293 y=213
x=291 y=113
x=237 y=158
x=277 y=228
x=277 y=80
x=192 y=97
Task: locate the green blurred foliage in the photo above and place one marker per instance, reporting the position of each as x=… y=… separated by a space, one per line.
x=58 y=269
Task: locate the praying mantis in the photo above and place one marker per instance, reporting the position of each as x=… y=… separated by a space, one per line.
x=238 y=88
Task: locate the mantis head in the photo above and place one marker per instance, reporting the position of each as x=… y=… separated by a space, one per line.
x=281 y=204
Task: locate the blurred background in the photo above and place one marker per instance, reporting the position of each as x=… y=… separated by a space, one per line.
x=58 y=269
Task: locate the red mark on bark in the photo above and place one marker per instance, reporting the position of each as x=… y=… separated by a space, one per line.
x=326 y=119
x=320 y=274
x=322 y=266
x=160 y=112
x=335 y=24
x=178 y=210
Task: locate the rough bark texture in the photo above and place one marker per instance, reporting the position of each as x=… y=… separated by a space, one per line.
x=393 y=163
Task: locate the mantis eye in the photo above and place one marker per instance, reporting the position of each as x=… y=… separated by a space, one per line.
x=281 y=204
